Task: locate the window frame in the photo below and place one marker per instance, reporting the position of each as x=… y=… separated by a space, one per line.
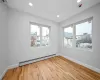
x=74 y=34
x=40 y=25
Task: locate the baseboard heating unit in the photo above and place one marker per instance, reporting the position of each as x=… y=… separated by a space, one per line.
x=36 y=59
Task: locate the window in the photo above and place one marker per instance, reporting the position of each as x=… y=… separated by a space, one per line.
x=45 y=36
x=39 y=35
x=68 y=36
x=79 y=35
x=35 y=35
x=84 y=35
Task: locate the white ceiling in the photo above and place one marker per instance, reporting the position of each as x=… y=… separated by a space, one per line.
x=49 y=9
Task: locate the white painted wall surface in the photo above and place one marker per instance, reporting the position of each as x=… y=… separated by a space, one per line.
x=19 y=37
x=88 y=57
x=15 y=32
x=3 y=38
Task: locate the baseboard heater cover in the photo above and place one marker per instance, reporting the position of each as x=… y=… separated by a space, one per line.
x=36 y=59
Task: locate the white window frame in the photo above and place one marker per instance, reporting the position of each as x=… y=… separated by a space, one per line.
x=40 y=25
x=74 y=34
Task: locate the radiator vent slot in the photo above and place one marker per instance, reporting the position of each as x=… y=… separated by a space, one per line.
x=36 y=59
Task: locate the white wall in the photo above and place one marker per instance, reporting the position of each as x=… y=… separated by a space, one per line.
x=19 y=37
x=88 y=57
x=15 y=32
x=3 y=38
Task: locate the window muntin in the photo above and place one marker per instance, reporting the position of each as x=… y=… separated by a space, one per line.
x=68 y=36
x=39 y=35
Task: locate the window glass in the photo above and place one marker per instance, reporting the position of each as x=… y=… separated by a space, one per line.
x=84 y=35
x=35 y=36
x=45 y=36
x=68 y=36
x=39 y=35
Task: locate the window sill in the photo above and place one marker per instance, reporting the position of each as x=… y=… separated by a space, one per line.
x=42 y=47
x=83 y=49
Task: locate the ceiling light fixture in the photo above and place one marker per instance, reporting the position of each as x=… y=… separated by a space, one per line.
x=78 y=1
x=30 y=4
x=58 y=16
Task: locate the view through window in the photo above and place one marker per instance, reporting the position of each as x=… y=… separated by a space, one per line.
x=45 y=36
x=39 y=35
x=68 y=36
x=79 y=34
x=84 y=35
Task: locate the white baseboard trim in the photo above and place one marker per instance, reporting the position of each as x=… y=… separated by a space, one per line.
x=12 y=66
x=9 y=67
x=3 y=74
x=83 y=64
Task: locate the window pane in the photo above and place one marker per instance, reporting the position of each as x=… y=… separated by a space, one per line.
x=35 y=36
x=84 y=35
x=68 y=36
x=45 y=36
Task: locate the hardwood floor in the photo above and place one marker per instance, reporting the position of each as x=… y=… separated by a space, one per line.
x=56 y=68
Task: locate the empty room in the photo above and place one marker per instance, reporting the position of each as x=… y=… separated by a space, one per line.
x=49 y=40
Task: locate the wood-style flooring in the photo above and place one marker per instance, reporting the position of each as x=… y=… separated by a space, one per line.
x=55 y=68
